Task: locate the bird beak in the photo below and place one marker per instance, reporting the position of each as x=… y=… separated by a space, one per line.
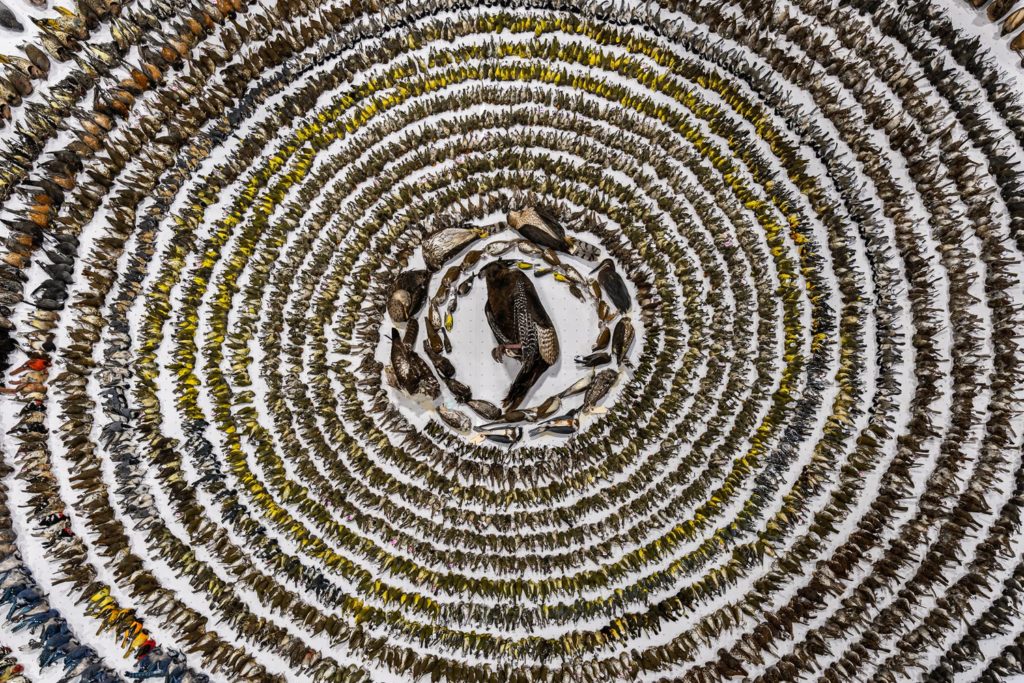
x=596 y=269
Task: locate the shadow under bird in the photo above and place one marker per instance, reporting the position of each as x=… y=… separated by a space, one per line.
x=520 y=324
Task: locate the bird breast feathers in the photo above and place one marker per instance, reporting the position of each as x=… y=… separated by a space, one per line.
x=547 y=341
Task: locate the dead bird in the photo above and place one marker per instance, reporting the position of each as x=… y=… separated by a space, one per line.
x=594 y=360
x=599 y=388
x=9 y=20
x=455 y=419
x=441 y=363
x=578 y=386
x=484 y=409
x=511 y=417
x=622 y=339
x=520 y=324
x=546 y=409
x=442 y=246
x=563 y=425
x=613 y=285
x=540 y=227
x=410 y=372
x=407 y=294
x=507 y=437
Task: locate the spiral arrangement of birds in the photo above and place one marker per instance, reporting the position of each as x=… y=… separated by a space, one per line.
x=748 y=277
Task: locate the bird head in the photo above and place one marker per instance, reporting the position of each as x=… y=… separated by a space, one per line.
x=606 y=263
x=515 y=219
x=494 y=268
x=398 y=306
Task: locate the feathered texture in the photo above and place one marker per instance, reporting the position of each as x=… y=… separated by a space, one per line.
x=521 y=325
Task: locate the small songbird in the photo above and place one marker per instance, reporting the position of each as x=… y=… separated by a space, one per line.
x=613 y=285
x=408 y=292
x=563 y=425
x=408 y=371
x=520 y=324
x=622 y=339
x=507 y=437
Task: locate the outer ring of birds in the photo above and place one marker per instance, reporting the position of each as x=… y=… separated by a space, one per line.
x=822 y=425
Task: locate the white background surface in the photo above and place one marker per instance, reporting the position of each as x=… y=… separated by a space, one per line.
x=471 y=338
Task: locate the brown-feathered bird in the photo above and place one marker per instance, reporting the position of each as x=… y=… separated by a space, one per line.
x=544 y=229
x=521 y=326
x=540 y=227
x=444 y=244
x=408 y=292
x=408 y=371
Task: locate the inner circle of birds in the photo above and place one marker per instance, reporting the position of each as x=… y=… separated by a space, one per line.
x=540 y=250
x=840 y=499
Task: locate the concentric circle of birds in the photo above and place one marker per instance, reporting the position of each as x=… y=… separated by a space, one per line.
x=514 y=342
x=521 y=325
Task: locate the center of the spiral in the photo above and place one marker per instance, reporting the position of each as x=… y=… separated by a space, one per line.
x=510 y=331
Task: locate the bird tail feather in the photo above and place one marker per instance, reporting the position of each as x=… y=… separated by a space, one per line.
x=584 y=250
x=527 y=377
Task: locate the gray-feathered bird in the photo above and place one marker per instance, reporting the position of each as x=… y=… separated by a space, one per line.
x=520 y=324
x=613 y=285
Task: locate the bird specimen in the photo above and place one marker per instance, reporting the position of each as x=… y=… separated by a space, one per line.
x=443 y=245
x=520 y=325
x=803 y=462
x=408 y=371
x=613 y=285
x=407 y=295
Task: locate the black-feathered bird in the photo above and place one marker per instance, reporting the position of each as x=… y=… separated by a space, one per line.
x=613 y=285
x=408 y=292
x=521 y=326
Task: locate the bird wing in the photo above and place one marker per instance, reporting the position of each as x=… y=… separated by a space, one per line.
x=496 y=326
x=547 y=338
x=552 y=220
x=538 y=235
